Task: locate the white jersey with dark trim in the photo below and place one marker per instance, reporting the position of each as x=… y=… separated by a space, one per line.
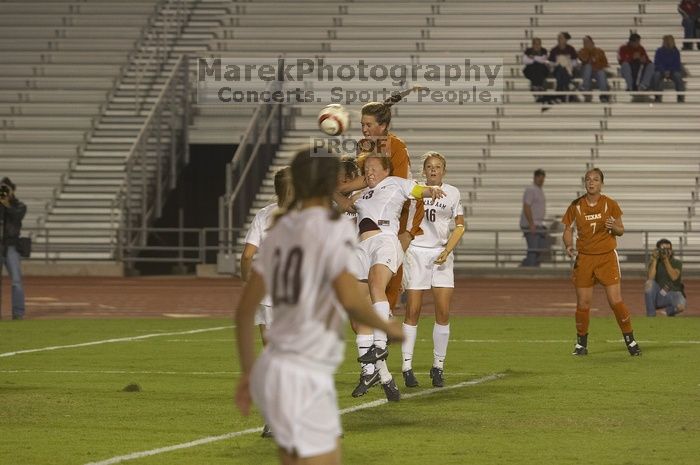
x=438 y=215
x=299 y=260
x=257 y=232
x=383 y=203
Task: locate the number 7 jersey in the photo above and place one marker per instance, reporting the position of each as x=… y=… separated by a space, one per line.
x=299 y=260
x=592 y=237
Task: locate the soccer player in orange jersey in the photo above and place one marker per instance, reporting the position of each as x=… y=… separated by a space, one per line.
x=597 y=220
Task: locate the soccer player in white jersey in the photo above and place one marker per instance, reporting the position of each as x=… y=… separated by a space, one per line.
x=378 y=257
x=429 y=264
x=258 y=229
x=303 y=265
x=256 y=234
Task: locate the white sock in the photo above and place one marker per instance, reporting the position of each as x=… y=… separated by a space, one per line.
x=384 y=373
x=408 y=345
x=441 y=335
x=364 y=342
x=384 y=312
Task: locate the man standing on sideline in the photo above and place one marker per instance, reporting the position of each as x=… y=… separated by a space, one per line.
x=532 y=220
x=664 y=289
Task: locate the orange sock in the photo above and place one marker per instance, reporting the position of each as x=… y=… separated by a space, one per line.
x=622 y=313
x=583 y=316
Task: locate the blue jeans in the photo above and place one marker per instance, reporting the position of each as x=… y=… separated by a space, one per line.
x=677 y=79
x=536 y=244
x=12 y=262
x=654 y=299
x=587 y=74
x=690 y=31
x=644 y=81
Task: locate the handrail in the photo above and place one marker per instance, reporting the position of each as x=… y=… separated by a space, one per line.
x=46 y=249
x=152 y=111
x=174 y=89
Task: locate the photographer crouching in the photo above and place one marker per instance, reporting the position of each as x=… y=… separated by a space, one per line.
x=12 y=212
x=664 y=289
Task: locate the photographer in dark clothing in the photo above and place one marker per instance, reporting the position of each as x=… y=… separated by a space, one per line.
x=12 y=212
x=664 y=289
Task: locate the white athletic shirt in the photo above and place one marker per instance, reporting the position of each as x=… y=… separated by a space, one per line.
x=438 y=215
x=383 y=203
x=258 y=231
x=299 y=260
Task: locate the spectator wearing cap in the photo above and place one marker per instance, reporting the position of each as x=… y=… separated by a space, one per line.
x=532 y=220
x=563 y=59
x=667 y=65
x=593 y=64
x=635 y=66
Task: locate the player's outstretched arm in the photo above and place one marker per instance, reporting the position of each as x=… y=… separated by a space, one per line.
x=356 y=184
x=453 y=240
x=427 y=192
x=359 y=307
x=253 y=293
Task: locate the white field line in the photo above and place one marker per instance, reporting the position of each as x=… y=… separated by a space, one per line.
x=110 y=341
x=223 y=437
x=181 y=373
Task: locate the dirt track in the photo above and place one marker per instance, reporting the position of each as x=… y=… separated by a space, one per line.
x=187 y=296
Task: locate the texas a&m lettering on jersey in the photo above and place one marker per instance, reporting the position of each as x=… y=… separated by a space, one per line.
x=438 y=215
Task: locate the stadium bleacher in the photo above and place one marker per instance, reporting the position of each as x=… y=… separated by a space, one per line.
x=71 y=72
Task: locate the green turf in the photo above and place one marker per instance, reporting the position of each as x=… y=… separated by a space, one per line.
x=67 y=406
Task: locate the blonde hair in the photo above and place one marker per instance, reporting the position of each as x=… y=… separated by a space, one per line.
x=428 y=155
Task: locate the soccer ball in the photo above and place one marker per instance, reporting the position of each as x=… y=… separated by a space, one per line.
x=333 y=120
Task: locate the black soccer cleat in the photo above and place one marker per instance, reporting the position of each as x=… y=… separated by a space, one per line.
x=392 y=391
x=409 y=379
x=436 y=376
x=266 y=432
x=366 y=382
x=373 y=355
x=634 y=349
x=580 y=350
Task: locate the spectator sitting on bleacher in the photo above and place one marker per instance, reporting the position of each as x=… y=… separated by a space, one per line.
x=536 y=70
x=690 y=11
x=593 y=64
x=563 y=59
x=667 y=65
x=635 y=66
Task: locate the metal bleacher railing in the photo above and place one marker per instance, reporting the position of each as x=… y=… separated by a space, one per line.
x=151 y=170
x=203 y=246
x=245 y=173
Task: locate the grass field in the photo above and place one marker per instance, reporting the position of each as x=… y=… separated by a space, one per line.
x=67 y=406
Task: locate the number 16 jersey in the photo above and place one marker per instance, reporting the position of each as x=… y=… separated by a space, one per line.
x=438 y=214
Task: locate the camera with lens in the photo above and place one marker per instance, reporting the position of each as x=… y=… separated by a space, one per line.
x=4 y=190
x=663 y=252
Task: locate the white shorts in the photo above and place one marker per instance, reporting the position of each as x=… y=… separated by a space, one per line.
x=263 y=315
x=384 y=249
x=420 y=271
x=300 y=405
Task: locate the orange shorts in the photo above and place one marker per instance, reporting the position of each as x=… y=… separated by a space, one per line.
x=591 y=269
